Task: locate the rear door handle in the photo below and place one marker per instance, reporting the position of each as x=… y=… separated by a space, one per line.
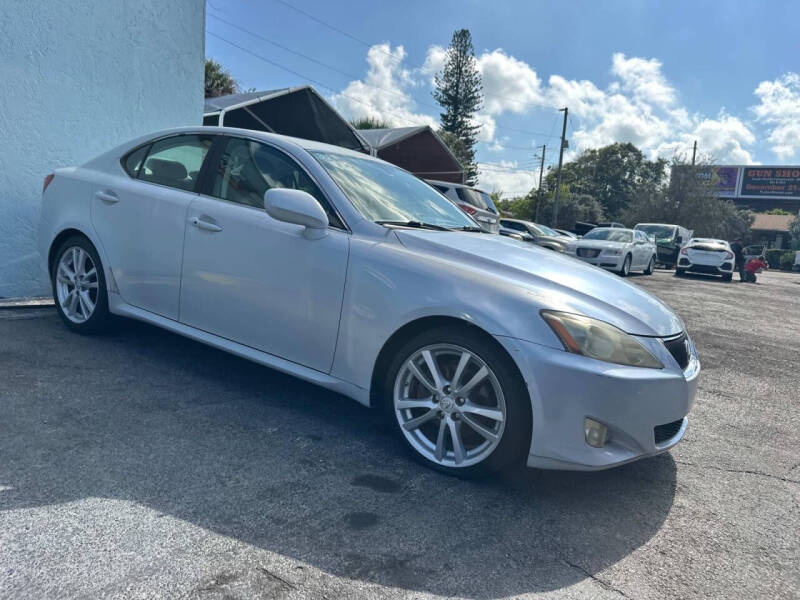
x=107 y=196
x=204 y=225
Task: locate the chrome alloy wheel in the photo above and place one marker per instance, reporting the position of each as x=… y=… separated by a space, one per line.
x=76 y=284
x=449 y=405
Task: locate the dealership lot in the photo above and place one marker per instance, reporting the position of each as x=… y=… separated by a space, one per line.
x=141 y=464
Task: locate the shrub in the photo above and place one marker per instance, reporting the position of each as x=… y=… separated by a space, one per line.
x=774 y=258
x=787 y=261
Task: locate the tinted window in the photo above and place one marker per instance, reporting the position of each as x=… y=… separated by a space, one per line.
x=176 y=161
x=247 y=169
x=133 y=161
x=476 y=198
x=513 y=225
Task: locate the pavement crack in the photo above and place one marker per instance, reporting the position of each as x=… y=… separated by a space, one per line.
x=277 y=578
x=743 y=471
x=604 y=584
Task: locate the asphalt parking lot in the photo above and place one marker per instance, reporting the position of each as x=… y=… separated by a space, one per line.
x=140 y=464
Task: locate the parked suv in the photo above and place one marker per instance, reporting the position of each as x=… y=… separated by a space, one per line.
x=542 y=235
x=476 y=203
x=669 y=239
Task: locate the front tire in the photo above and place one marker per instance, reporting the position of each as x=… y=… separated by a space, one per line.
x=626 y=266
x=79 y=286
x=458 y=403
x=679 y=272
x=650 y=267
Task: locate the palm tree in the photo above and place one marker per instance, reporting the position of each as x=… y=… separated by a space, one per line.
x=218 y=81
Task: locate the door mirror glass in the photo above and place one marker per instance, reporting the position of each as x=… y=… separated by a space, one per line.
x=679 y=239
x=298 y=207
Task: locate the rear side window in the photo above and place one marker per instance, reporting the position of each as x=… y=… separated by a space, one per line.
x=176 y=161
x=513 y=225
x=133 y=161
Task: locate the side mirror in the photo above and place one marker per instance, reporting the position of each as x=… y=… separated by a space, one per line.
x=679 y=239
x=298 y=207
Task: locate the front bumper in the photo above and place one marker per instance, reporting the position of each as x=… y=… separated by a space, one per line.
x=567 y=388
x=612 y=262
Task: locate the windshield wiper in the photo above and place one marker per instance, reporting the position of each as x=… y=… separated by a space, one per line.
x=415 y=224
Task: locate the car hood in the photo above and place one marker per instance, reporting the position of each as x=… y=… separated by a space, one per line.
x=603 y=244
x=553 y=280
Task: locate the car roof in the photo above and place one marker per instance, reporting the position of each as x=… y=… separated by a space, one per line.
x=614 y=229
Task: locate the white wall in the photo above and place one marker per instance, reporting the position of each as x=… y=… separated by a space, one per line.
x=77 y=78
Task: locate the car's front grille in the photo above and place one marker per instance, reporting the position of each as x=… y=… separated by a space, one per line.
x=667 y=431
x=678 y=347
x=588 y=252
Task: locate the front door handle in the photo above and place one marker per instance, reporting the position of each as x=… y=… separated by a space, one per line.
x=107 y=196
x=204 y=225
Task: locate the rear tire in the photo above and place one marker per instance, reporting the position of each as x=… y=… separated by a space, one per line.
x=429 y=418
x=79 y=286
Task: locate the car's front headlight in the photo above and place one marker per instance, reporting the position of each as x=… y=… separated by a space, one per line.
x=599 y=340
x=612 y=251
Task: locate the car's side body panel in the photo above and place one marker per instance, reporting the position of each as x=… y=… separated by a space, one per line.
x=261 y=282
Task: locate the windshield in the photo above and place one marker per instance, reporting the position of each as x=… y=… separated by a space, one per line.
x=662 y=233
x=547 y=231
x=382 y=192
x=610 y=235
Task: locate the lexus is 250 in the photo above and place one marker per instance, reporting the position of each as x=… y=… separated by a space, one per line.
x=348 y=272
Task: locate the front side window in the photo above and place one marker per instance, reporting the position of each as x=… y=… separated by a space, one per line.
x=247 y=169
x=382 y=192
x=176 y=161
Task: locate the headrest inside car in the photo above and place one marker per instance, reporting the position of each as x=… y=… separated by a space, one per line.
x=166 y=170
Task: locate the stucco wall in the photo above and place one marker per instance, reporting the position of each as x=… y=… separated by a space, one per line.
x=78 y=78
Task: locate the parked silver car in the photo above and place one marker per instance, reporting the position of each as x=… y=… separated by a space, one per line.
x=476 y=203
x=351 y=273
x=541 y=235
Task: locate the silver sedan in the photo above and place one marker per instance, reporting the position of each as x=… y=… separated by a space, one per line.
x=348 y=272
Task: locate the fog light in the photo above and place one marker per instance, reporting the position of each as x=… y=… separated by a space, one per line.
x=596 y=433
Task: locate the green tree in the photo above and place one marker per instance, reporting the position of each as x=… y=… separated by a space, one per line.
x=691 y=202
x=612 y=175
x=459 y=91
x=369 y=123
x=218 y=81
x=794 y=231
x=572 y=208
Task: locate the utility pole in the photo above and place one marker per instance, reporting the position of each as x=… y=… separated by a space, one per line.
x=539 y=189
x=694 y=152
x=560 y=162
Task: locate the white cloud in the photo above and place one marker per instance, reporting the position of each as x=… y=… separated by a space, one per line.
x=643 y=78
x=639 y=106
x=383 y=92
x=779 y=107
x=506 y=177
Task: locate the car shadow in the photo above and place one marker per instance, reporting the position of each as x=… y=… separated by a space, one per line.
x=244 y=451
x=705 y=277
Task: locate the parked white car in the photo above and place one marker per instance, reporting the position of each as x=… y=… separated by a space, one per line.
x=706 y=255
x=616 y=249
x=351 y=273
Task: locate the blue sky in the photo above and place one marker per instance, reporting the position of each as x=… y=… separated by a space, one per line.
x=659 y=74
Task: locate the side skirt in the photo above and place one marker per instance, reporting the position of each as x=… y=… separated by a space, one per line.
x=119 y=307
